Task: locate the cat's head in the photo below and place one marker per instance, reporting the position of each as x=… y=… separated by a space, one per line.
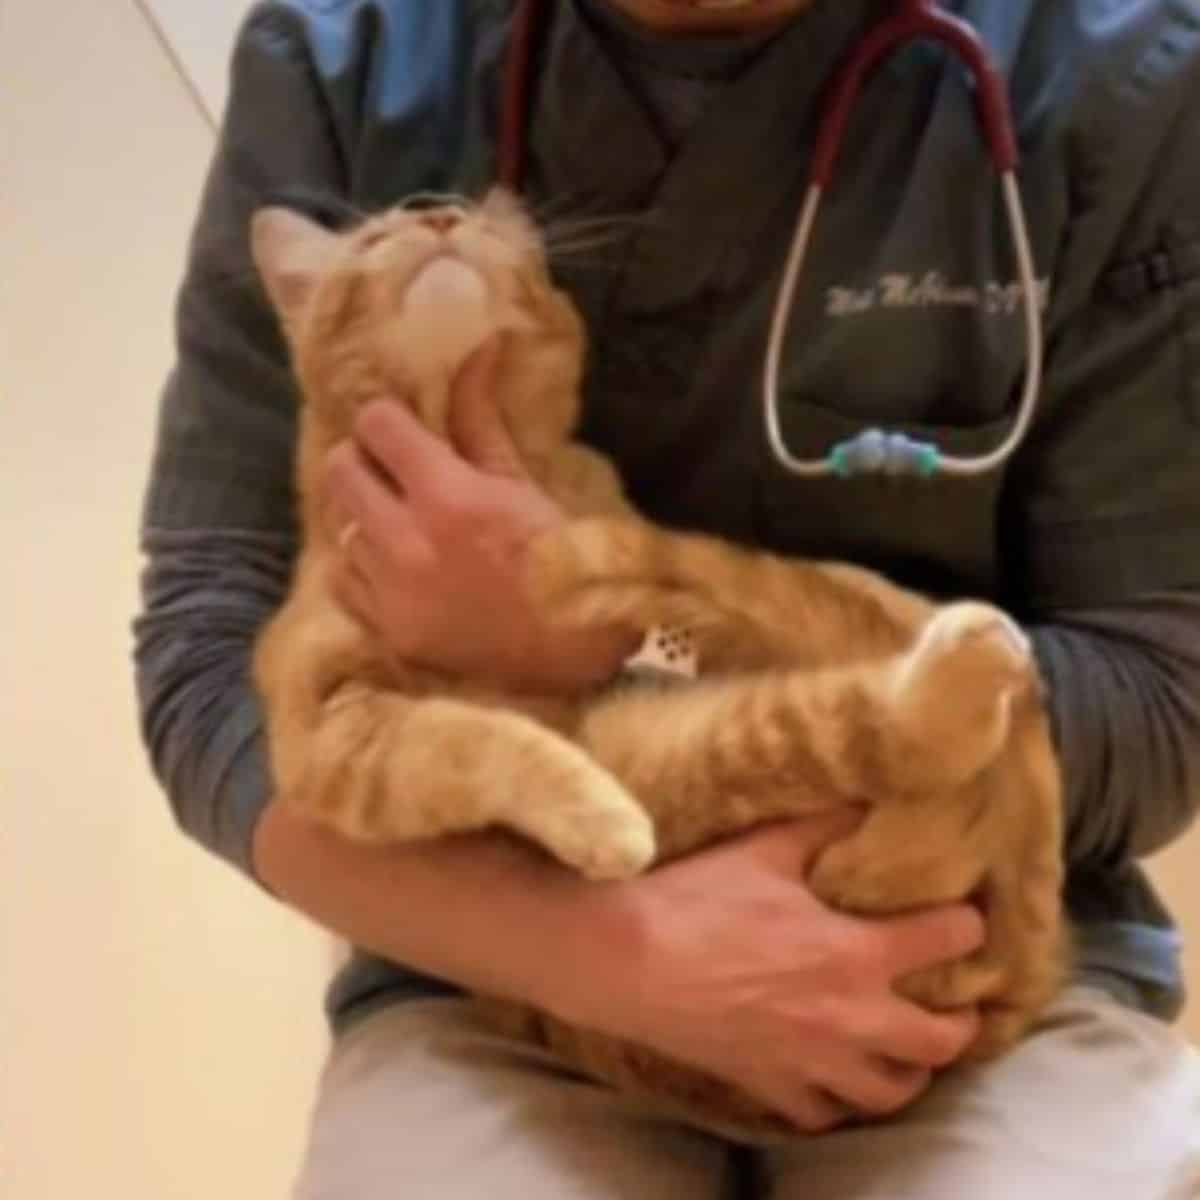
x=396 y=305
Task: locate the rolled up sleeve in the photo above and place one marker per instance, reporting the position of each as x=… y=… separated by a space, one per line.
x=207 y=593
x=1124 y=683
x=218 y=528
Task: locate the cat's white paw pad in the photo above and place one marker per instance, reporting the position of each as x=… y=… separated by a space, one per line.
x=608 y=849
x=603 y=837
x=621 y=857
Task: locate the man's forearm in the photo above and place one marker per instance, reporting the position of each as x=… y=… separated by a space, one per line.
x=483 y=912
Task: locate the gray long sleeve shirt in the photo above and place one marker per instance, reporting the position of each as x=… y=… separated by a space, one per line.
x=1092 y=537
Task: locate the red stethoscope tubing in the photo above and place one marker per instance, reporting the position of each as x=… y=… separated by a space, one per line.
x=912 y=20
x=874 y=451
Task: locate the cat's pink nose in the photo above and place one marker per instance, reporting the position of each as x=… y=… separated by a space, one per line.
x=443 y=220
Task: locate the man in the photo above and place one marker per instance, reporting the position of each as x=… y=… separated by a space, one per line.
x=693 y=123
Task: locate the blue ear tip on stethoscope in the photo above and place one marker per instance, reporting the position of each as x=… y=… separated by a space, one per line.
x=877 y=453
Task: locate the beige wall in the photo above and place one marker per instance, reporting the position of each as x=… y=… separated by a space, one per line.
x=1178 y=873
x=159 y=1022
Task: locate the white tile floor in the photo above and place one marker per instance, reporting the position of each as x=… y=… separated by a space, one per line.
x=159 y=1021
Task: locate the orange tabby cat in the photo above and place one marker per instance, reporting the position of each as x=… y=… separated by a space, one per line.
x=821 y=684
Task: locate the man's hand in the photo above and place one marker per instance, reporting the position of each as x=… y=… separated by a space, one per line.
x=433 y=538
x=725 y=960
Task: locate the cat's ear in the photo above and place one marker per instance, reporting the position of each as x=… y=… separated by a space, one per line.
x=506 y=209
x=291 y=253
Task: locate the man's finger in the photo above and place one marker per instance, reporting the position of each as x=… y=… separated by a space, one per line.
x=420 y=464
x=929 y=939
x=814 y=1110
x=874 y=1086
x=376 y=520
x=352 y=590
x=911 y=1036
x=335 y=515
x=477 y=426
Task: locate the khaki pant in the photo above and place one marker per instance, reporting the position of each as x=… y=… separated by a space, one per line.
x=418 y=1102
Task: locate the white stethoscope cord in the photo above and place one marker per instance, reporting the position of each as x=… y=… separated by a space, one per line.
x=875 y=451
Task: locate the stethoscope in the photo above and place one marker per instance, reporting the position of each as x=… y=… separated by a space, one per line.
x=874 y=451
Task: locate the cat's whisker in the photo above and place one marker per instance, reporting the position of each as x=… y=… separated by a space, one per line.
x=560 y=249
x=596 y=236
x=599 y=219
x=591 y=261
x=617 y=222
x=589 y=265
x=614 y=229
x=543 y=213
x=570 y=237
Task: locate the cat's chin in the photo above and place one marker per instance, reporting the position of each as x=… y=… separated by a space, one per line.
x=447 y=282
x=448 y=313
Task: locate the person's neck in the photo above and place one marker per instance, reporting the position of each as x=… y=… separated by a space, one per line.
x=716 y=16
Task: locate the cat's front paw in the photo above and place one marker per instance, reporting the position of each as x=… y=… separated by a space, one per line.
x=604 y=835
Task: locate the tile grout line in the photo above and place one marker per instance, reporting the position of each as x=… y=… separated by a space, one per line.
x=185 y=78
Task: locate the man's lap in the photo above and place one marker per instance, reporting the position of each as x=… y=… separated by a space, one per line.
x=419 y=1100
x=1101 y=1103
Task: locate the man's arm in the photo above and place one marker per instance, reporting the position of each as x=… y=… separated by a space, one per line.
x=218 y=530
x=1125 y=701
x=484 y=912
x=205 y=596
x=1101 y=540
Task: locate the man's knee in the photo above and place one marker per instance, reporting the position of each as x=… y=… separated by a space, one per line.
x=1100 y=1103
